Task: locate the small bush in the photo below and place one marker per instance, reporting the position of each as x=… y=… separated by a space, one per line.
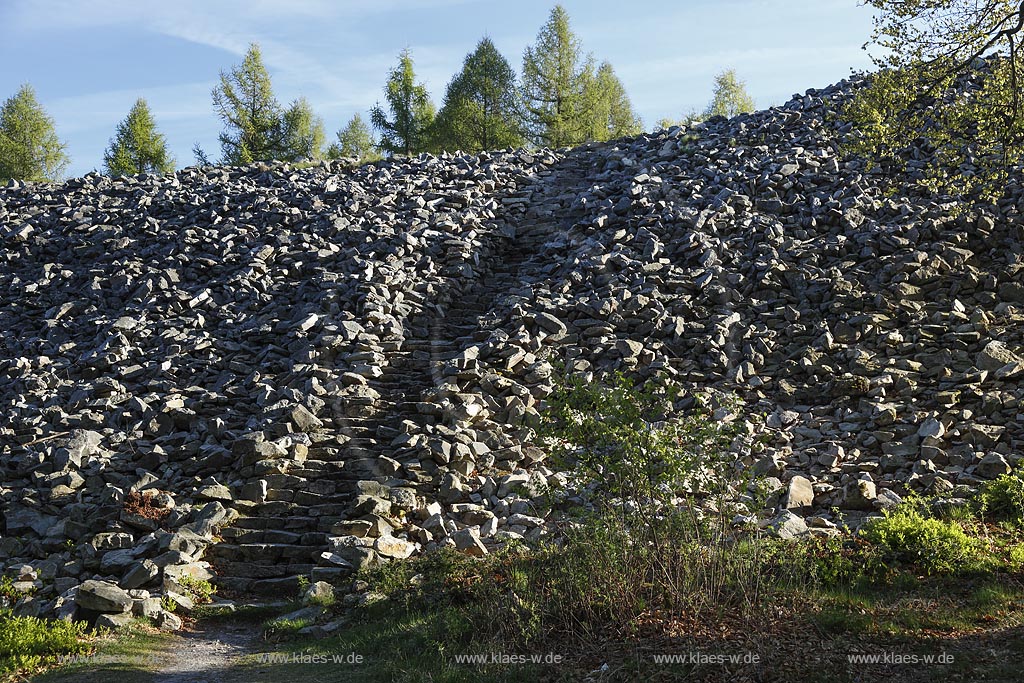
x=935 y=546
x=8 y=593
x=201 y=591
x=837 y=562
x=1016 y=558
x=26 y=642
x=1003 y=498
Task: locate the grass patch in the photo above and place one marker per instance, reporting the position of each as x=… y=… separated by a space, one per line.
x=126 y=656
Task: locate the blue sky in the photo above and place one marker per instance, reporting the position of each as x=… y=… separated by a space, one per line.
x=90 y=59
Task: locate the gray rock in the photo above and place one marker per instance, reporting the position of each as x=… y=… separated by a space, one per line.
x=992 y=465
x=995 y=355
x=799 y=493
x=103 y=596
x=320 y=593
x=468 y=541
x=788 y=526
x=304 y=420
x=114 y=621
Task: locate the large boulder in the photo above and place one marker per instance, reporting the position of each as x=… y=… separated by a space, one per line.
x=103 y=596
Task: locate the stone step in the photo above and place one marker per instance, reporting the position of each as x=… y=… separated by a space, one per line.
x=301 y=536
x=261 y=553
x=263 y=570
x=274 y=523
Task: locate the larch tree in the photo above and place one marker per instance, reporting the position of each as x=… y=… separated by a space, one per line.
x=553 y=90
x=253 y=118
x=730 y=97
x=480 y=110
x=355 y=140
x=408 y=131
x=29 y=146
x=947 y=93
x=137 y=146
x=611 y=112
x=303 y=135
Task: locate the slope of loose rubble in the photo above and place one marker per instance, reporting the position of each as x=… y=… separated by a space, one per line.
x=324 y=368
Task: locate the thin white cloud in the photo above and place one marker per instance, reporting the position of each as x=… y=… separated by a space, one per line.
x=104 y=109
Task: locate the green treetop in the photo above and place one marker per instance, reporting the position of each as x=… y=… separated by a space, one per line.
x=949 y=82
x=412 y=112
x=554 y=85
x=730 y=97
x=29 y=146
x=480 y=107
x=253 y=118
x=611 y=112
x=137 y=146
x=303 y=135
x=354 y=140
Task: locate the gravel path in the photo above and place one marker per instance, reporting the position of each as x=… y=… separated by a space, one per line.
x=207 y=653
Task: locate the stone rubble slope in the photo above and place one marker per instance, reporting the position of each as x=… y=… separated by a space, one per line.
x=326 y=368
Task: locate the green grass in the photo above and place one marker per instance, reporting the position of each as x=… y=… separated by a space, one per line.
x=397 y=644
x=129 y=656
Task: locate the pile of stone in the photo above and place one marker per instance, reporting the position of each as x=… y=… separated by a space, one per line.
x=248 y=375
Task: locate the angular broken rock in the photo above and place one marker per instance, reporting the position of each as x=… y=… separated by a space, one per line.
x=788 y=526
x=304 y=420
x=992 y=466
x=396 y=548
x=799 y=494
x=103 y=596
x=995 y=355
x=468 y=541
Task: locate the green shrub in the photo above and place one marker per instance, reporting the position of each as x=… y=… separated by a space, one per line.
x=26 y=642
x=201 y=591
x=933 y=545
x=8 y=593
x=836 y=561
x=1016 y=558
x=1003 y=498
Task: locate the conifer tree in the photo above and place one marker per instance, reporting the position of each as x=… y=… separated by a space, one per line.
x=137 y=146
x=303 y=135
x=480 y=108
x=354 y=140
x=29 y=146
x=554 y=84
x=252 y=116
x=610 y=111
x=408 y=131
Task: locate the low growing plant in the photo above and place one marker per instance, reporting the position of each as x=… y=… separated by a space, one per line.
x=201 y=591
x=933 y=545
x=1003 y=499
x=27 y=642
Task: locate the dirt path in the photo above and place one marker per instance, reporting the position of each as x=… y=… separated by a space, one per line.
x=207 y=653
